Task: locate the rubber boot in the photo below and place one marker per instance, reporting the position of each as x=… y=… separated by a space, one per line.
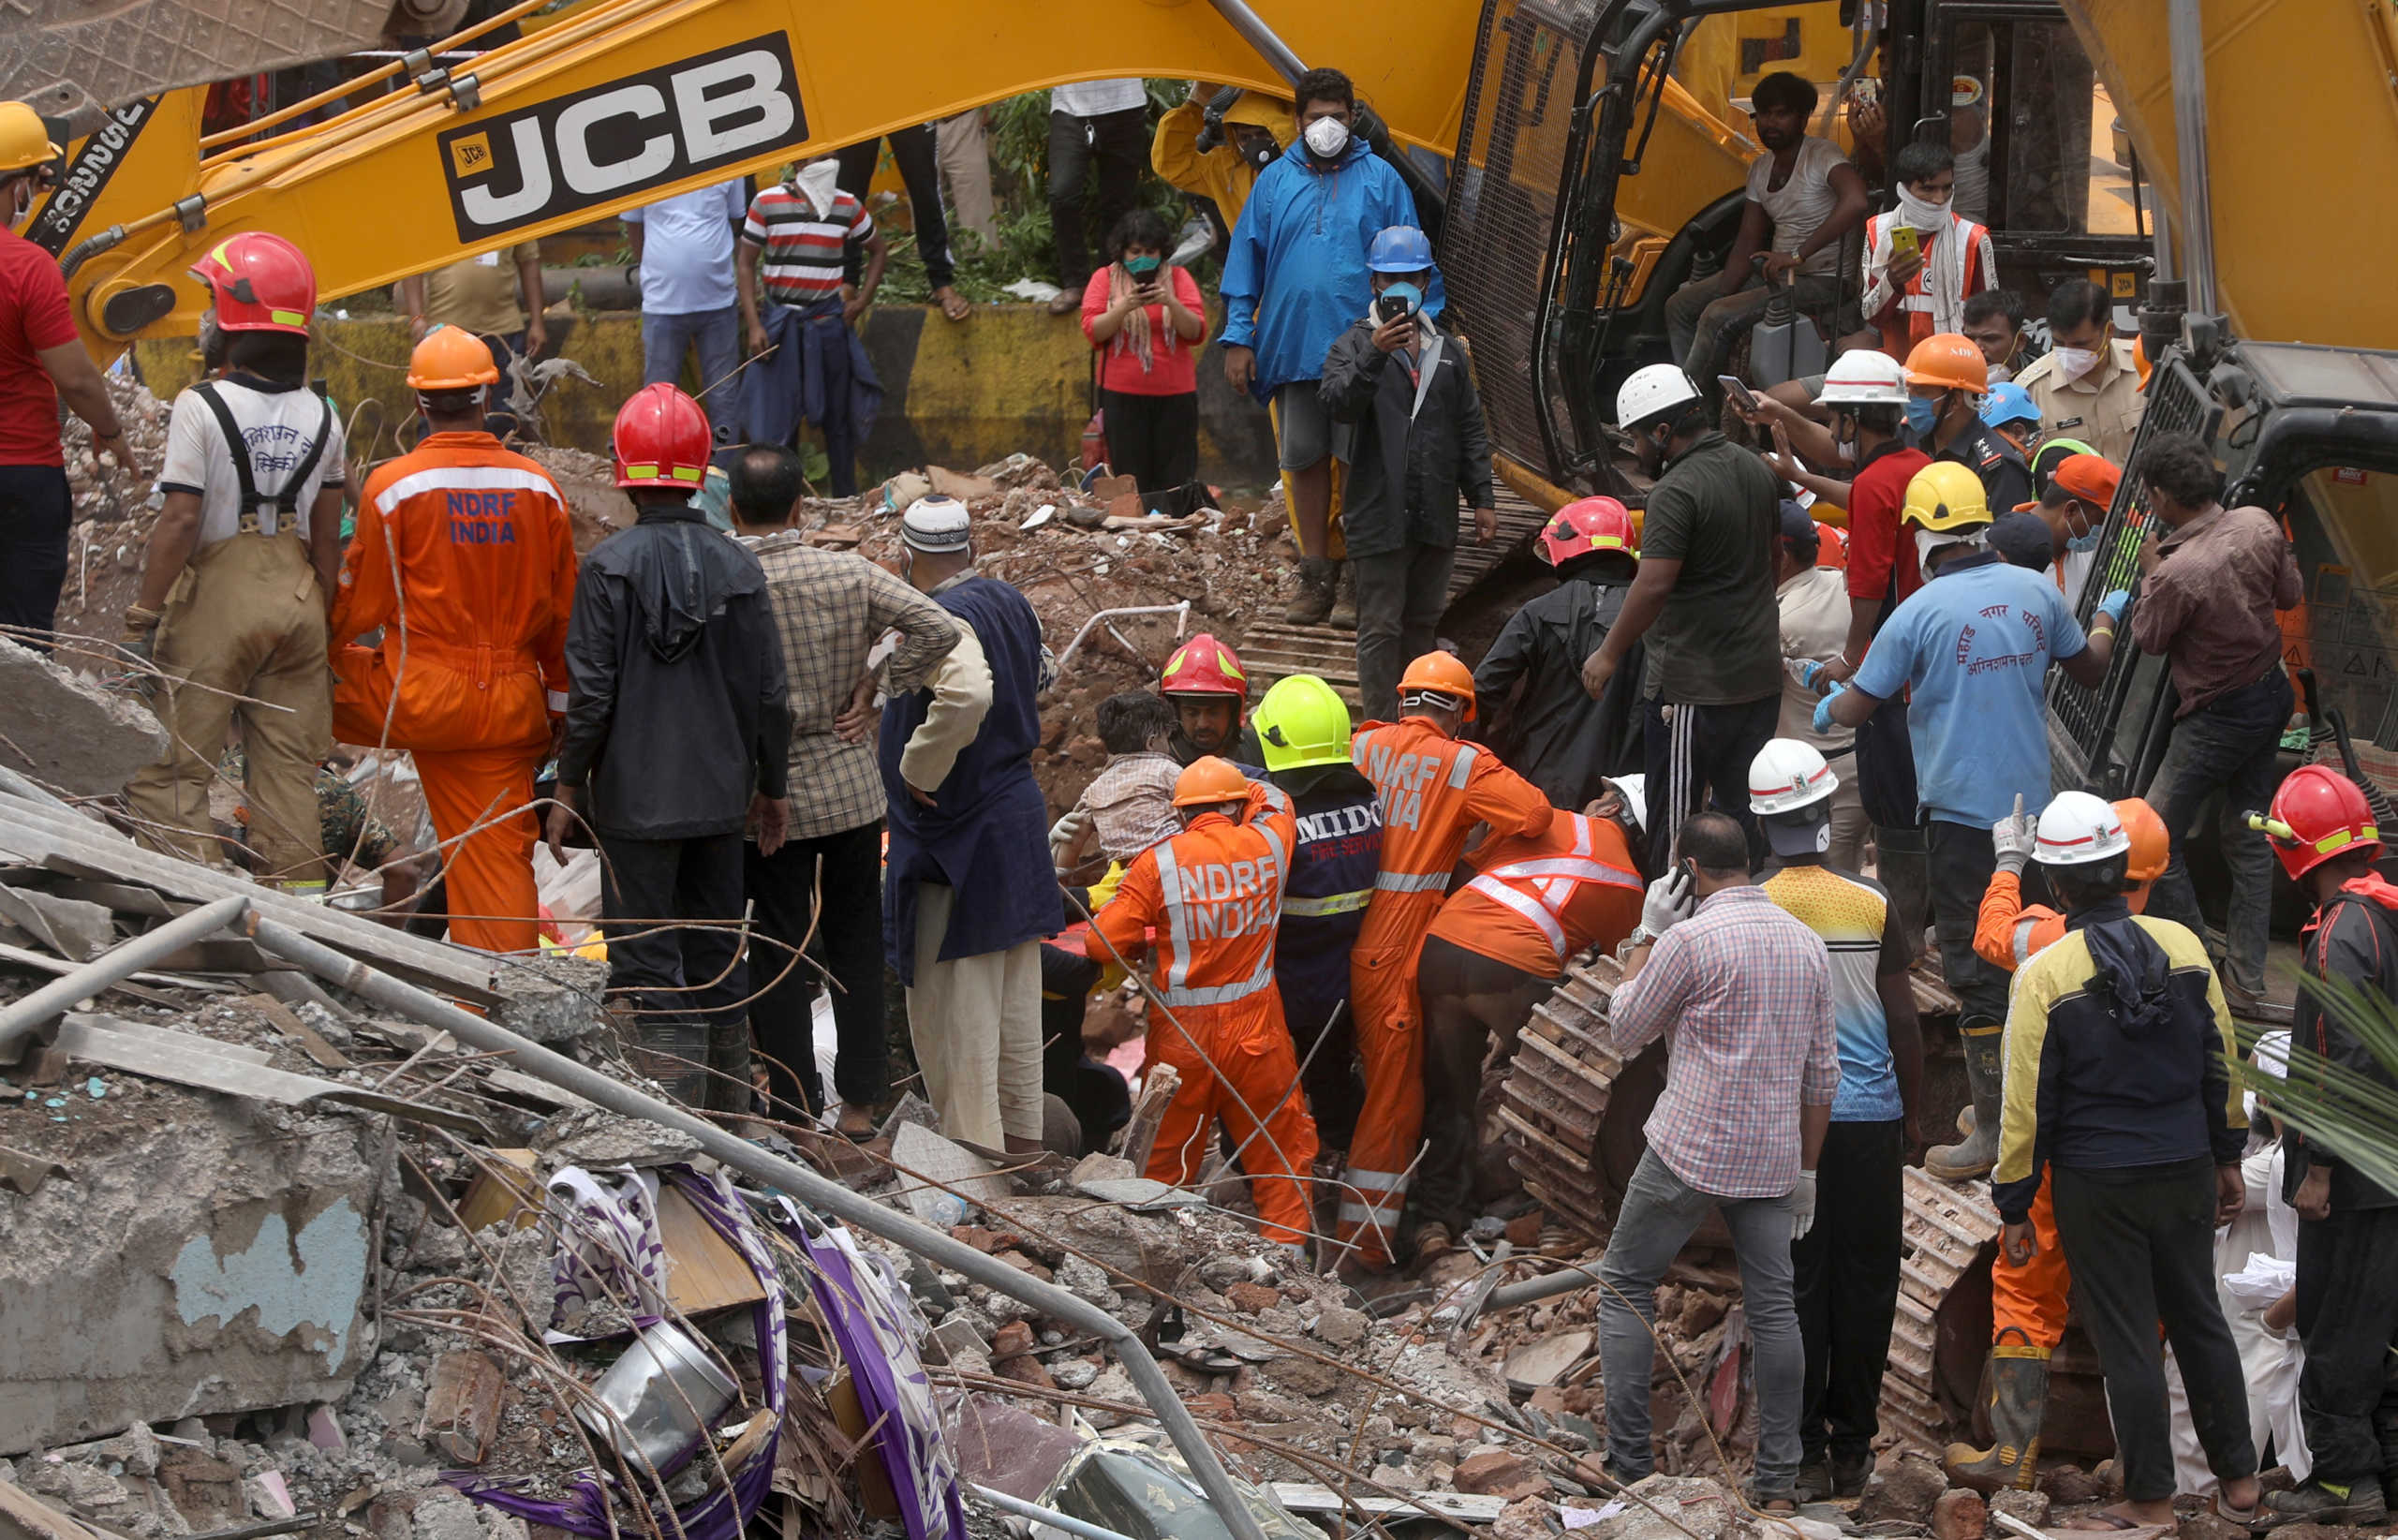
x=1344 y=599
x=2358 y=1503
x=1979 y=1152
x=2019 y=1398
x=728 y=1085
x=1313 y=600
x=1967 y=1120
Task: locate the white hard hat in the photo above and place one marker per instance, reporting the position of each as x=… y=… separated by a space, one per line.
x=936 y=524
x=2078 y=829
x=1635 y=792
x=1650 y=393
x=1787 y=776
x=1865 y=377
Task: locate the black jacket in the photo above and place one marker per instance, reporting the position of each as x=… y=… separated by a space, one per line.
x=1556 y=736
x=677 y=709
x=1409 y=465
x=2354 y=938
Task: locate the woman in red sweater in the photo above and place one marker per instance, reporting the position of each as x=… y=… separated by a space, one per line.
x=1147 y=322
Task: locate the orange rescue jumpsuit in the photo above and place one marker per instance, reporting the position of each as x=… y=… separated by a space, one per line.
x=466 y=559
x=1540 y=900
x=1212 y=896
x=1433 y=790
x=2029 y=1302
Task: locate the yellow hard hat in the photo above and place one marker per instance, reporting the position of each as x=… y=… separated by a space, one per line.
x=1302 y=722
x=1946 y=496
x=24 y=141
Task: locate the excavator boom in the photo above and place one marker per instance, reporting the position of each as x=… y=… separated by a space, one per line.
x=628 y=101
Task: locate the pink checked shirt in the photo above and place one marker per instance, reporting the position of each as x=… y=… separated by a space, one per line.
x=1742 y=991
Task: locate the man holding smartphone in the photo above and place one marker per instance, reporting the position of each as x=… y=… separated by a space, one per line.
x=1399 y=384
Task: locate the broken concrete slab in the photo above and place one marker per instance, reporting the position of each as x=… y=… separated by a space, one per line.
x=552 y=999
x=462 y=1406
x=213 y=1261
x=69 y=734
x=1543 y=1361
x=930 y=1156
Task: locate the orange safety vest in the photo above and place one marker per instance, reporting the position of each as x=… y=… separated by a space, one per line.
x=1213 y=897
x=1537 y=902
x=1433 y=790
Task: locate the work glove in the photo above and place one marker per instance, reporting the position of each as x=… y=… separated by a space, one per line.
x=2114 y=605
x=2016 y=838
x=1823 y=722
x=1669 y=903
x=1802 y=1206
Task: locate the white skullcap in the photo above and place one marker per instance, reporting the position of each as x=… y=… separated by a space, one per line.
x=936 y=524
x=2271 y=1054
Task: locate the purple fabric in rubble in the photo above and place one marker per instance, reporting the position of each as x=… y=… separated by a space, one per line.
x=716 y=1517
x=869 y=1311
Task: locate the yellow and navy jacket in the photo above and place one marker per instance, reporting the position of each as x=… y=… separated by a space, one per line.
x=2114 y=1051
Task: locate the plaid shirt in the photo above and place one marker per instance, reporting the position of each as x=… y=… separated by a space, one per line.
x=1131 y=802
x=1742 y=989
x=830 y=607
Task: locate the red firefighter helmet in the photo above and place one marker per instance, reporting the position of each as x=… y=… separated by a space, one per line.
x=1203 y=666
x=1588 y=525
x=258 y=282
x=661 y=438
x=2318 y=813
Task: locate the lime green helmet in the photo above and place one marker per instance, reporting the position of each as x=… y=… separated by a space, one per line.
x=2054 y=452
x=1302 y=722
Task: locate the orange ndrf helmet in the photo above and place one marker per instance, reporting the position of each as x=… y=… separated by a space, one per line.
x=1208 y=781
x=450 y=359
x=258 y=282
x=1203 y=666
x=2152 y=846
x=1442 y=675
x=2318 y=813
x=1948 y=358
x=1588 y=525
x=661 y=438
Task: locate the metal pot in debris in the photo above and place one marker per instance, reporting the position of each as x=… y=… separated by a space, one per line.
x=664 y=1392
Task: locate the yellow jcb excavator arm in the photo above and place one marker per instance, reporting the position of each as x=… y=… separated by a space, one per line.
x=632 y=100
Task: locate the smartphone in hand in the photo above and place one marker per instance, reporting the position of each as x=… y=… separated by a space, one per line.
x=1738 y=392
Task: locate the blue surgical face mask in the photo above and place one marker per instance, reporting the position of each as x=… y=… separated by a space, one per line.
x=1922 y=415
x=2085 y=542
x=1407 y=292
x=1141 y=267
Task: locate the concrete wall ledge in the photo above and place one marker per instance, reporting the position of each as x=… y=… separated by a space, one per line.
x=1010 y=378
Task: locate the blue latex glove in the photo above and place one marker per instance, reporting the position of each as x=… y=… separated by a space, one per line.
x=1823 y=722
x=2114 y=605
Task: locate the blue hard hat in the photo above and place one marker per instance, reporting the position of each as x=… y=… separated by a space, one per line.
x=1401 y=248
x=2009 y=403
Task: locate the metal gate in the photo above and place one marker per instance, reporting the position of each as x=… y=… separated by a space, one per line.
x=2109 y=738
x=1497 y=248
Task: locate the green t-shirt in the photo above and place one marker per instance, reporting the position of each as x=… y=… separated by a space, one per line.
x=1716 y=511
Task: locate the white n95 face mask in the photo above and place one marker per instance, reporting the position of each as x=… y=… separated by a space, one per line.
x=1326 y=136
x=2074 y=363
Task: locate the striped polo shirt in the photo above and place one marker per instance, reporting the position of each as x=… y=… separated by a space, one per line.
x=803 y=242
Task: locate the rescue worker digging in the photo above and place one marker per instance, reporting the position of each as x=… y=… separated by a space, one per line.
x=1303 y=730
x=233 y=589
x=1433 y=790
x=466 y=560
x=1495 y=951
x=1212 y=895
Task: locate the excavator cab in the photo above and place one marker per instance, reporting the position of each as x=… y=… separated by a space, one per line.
x=1558 y=267
x=2309 y=433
